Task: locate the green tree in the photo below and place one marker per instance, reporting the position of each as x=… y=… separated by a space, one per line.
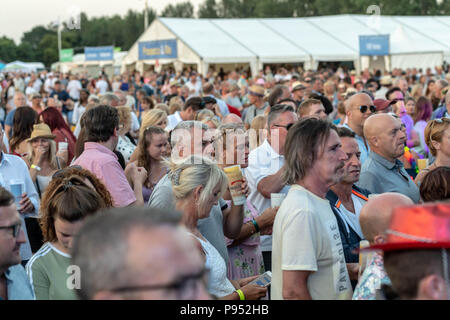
x=180 y=10
x=209 y=9
x=8 y=50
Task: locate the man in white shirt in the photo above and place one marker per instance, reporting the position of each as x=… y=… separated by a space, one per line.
x=194 y=85
x=190 y=109
x=265 y=167
x=308 y=258
x=48 y=84
x=101 y=85
x=74 y=87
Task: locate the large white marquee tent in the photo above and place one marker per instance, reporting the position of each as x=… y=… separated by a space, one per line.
x=415 y=41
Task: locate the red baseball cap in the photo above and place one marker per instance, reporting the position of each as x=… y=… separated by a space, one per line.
x=382 y=104
x=418 y=227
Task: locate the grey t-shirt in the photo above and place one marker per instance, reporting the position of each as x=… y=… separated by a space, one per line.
x=211 y=227
x=252 y=112
x=379 y=175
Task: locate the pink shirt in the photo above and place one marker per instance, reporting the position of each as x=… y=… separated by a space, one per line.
x=104 y=164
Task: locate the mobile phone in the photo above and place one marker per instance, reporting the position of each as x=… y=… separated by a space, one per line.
x=263 y=280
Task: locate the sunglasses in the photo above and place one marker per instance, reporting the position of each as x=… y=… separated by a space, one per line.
x=287 y=127
x=364 y=109
x=61 y=172
x=15 y=229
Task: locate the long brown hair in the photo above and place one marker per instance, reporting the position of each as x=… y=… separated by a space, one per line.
x=144 y=159
x=24 y=119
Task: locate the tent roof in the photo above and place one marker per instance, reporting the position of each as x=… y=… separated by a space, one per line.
x=325 y=38
x=206 y=39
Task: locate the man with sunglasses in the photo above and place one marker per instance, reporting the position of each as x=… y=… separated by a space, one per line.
x=358 y=108
x=14 y=282
x=139 y=254
x=265 y=169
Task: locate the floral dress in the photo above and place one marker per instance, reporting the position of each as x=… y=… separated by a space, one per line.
x=245 y=259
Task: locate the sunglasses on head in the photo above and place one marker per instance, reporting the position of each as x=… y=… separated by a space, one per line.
x=364 y=109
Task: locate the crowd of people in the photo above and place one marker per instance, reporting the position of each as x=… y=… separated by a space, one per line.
x=121 y=188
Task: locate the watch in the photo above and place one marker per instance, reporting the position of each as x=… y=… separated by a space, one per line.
x=33 y=166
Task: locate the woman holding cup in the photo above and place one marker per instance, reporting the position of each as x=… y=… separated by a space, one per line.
x=232 y=149
x=44 y=161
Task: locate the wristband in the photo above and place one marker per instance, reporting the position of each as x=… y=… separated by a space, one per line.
x=241 y=294
x=256 y=225
x=33 y=166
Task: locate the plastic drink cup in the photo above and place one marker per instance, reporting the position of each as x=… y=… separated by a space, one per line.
x=234 y=175
x=276 y=199
x=62 y=146
x=16 y=187
x=422 y=164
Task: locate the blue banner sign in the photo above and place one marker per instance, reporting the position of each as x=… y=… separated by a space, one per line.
x=159 y=49
x=99 y=53
x=374 y=45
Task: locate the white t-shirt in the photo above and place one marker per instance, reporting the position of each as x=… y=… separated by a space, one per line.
x=173 y=120
x=262 y=162
x=78 y=111
x=102 y=86
x=194 y=89
x=306 y=238
x=73 y=88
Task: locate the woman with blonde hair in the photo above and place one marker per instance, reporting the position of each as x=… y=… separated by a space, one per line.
x=43 y=160
x=232 y=148
x=153 y=118
x=156 y=118
x=437 y=138
x=164 y=107
x=208 y=117
x=416 y=91
x=258 y=131
x=125 y=146
x=197 y=185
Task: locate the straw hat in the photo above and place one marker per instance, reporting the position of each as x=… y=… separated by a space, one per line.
x=418 y=227
x=386 y=81
x=41 y=130
x=256 y=91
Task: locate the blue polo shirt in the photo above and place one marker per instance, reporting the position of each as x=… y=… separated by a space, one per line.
x=18 y=284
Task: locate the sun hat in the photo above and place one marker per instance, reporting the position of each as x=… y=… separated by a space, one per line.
x=386 y=81
x=297 y=85
x=256 y=91
x=417 y=227
x=41 y=130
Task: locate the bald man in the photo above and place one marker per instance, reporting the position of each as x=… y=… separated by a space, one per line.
x=383 y=172
x=358 y=108
x=232 y=118
x=374 y=220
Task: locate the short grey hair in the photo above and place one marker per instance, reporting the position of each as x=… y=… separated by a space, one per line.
x=196 y=171
x=276 y=111
x=185 y=125
x=101 y=245
x=442 y=83
x=220 y=137
x=108 y=98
